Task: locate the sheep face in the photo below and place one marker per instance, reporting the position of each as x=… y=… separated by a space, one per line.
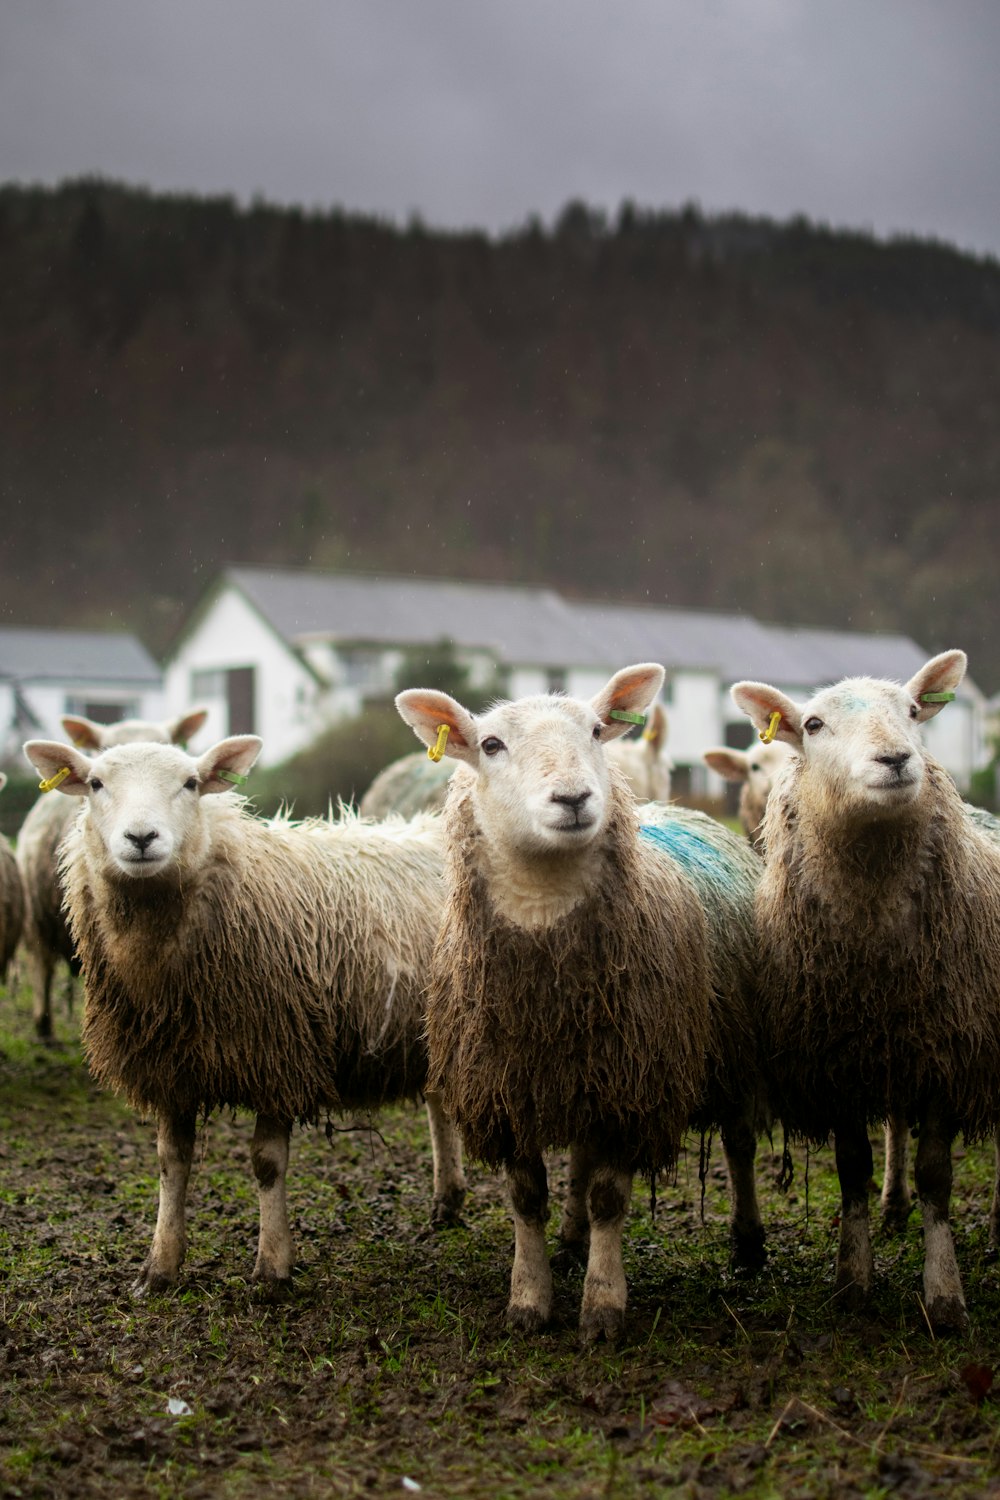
x=542 y=779
x=756 y=767
x=859 y=740
x=143 y=800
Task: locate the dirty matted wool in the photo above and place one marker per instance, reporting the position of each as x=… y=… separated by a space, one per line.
x=593 y=1030
x=880 y=980
x=285 y=976
x=725 y=872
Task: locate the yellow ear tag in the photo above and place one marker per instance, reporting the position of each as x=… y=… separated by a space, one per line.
x=51 y=782
x=435 y=751
x=767 y=735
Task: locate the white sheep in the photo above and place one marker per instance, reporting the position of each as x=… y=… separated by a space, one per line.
x=230 y=962
x=755 y=770
x=45 y=936
x=879 y=921
x=415 y=783
x=11 y=902
x=591 y=985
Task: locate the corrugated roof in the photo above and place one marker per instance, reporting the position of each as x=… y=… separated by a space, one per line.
x=92 y=656
x=524 y=626
x=537 y=627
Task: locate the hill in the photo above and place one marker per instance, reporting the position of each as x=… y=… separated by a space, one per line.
x=724 y=412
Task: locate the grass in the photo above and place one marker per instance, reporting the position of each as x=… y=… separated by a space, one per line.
x=388 y=1360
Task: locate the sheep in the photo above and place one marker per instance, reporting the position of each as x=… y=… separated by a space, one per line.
x=46 y=937
x=11 y=901
x=415 y=783
x=644 y=760
x=879 y=922
x=590 y=984
x=756 y=768
x=231 y=962
x=412 y=784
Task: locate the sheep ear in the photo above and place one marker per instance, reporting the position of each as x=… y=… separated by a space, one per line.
x=622 y=701
x=84 y=733
x=226 y=766
x=734 y=765
x=655 y=732
x=936 y=682
x=51 y=760
x=186 y=727
x=760 y=703
x=425 y=711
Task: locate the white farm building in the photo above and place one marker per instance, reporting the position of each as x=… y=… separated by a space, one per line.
x=286 y=652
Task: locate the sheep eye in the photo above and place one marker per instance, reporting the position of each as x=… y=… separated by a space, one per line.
x=191 y=785
x=914 y=710
x=755 y=765
x=597 y=731
x=95 y=784
x=811 y=725
x=491 y=745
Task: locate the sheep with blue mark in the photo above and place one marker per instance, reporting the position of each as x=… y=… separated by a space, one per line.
x=592 y=984
x=879 y=920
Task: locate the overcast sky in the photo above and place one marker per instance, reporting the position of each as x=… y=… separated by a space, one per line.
x=879 y=114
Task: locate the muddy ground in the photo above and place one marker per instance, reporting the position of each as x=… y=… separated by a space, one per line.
x=387 y=1370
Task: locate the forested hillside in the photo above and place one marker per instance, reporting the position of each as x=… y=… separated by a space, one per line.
x=700 y=411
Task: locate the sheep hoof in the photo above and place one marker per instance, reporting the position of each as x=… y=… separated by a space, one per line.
x=895 y=1215
x=522 y=1317
x=150 y=1283
x=747 y=1250
x=947 y=1315
x=607 y=1323
x=446 y=1211
x=851 y=1296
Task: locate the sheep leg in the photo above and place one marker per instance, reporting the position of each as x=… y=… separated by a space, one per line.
x=269 y=1155
x=943 y=1297
x=175 y=1151
x=602 y=1313
x=446 y=1151
x=995 y=1206
x=746 y=1227
x=574 y=1228
x=530 y=1305
x=896 y=1199
x=854 y=1252
x=40 y=971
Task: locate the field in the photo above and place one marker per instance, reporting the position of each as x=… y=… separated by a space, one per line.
x=387 y=1370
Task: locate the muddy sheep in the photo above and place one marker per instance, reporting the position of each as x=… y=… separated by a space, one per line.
x=233 y=962
x=11 y=902
x=755 y=769
x=590 y=983
x=45 y=938
x=879 y=922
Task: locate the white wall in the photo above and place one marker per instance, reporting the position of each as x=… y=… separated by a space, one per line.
x=289 y=706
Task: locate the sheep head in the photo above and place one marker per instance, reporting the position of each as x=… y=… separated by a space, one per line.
x=542 y=778
x=90 y=736
x=143 y=799
x=859 y=740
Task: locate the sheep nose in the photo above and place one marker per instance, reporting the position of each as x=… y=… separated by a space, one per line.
x=142 y=841
x=896 y=761
x=574 y=802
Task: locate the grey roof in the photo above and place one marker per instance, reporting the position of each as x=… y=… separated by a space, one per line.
x=738 y=646
x=89 y=656
x=537 y=627
x=523 y=626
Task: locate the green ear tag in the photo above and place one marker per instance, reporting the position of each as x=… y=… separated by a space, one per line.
x=625 y=717
x=937 y=697
x=233 y=776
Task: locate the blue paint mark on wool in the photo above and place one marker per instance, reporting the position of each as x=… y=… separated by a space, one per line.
x=695 y=855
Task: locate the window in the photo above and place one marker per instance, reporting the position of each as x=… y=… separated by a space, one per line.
x=361 y=666
x=102 y=711
x=210 y=684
